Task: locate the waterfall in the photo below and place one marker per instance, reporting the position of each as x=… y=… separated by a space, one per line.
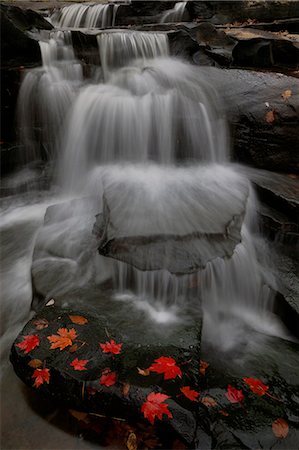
x=175 y=14
x=46 y=95
x=149 y=140
x=84 y=15
x=119 y=48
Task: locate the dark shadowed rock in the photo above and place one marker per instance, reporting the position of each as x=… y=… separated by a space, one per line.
x=264 y=122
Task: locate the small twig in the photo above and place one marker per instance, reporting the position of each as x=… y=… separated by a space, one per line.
x=83 y=390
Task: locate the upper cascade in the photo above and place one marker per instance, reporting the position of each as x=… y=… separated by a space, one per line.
x=86 y=15
x=118 y=48
x=175 y=14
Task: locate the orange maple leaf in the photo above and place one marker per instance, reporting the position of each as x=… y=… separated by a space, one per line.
x=41 y=376
x=111 y=347
x=29 y=343
x=80 y=320
x=63 y=338
x=79 y=364
x=280 y=428
x=154 y=407
x=256 y=385
x=167 y=366
x=190 y=394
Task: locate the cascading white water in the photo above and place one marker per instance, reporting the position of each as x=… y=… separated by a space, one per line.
x=158 y=112
x=85 y=16
x=175 y=14
x=46 y=95
x=118 y=48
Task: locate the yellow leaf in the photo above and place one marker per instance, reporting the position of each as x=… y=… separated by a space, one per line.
x=286 y=94
x=79 y=320
x=131 y=442
x=35 y=363
x=143 y=372
x=280 y=428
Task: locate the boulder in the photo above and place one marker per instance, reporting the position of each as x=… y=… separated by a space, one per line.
x=145 y=227
x=142 y=343
x=263 y=111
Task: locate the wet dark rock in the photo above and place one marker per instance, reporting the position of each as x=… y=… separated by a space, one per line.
x=257 y=139
x=140 y=12
x=18 y=46
x=143 y=342
x=221 y=12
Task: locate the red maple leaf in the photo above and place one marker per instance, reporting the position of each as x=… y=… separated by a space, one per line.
x=111 y=347
x=234 y=395
x=154 y=407
x=189 y=393
x=79 y=364
x=257 y=386
x=29 y=343
x=63 y=338
x=41 y=376
x=167 y=366
x=108 y=378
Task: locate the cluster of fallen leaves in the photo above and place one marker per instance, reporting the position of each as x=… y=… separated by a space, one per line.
x=154 y=406
x=271 y=115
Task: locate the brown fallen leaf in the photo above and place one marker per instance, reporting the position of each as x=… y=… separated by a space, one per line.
x=143 y=372
x=270 y=116
x=79 y=320
x=131 y=442
x=203 y=365
x=73 y=348
x=126 y=389
x=280 y=428
x=79 y=415
x=40 y=324
x=209 y=402
x=35 y=363
x=223 y=412
x=286 y=94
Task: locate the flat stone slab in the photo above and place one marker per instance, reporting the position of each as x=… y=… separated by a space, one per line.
x=173 y=219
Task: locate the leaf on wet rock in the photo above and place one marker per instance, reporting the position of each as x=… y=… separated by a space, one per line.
x=108 y=378
x=286 y=94
x=79 y=364
x=41 y=376
x=73 y=348
x=190 y=394
x=131 y=442
x=154 y=406
x=203 y=365
x=280 y=428
x=166 y=366
x=234 y=395
x=51 y=302
x=256 y=386
x=111 y=347
x=29 y=343
x=270 y=116
x=143 y=372
x=79 y=415
x=223 y=412
x=209 y=402
x=126 y=389
x=79 y=320
x=40 y=324
x=64 y=338
x=35 y=363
